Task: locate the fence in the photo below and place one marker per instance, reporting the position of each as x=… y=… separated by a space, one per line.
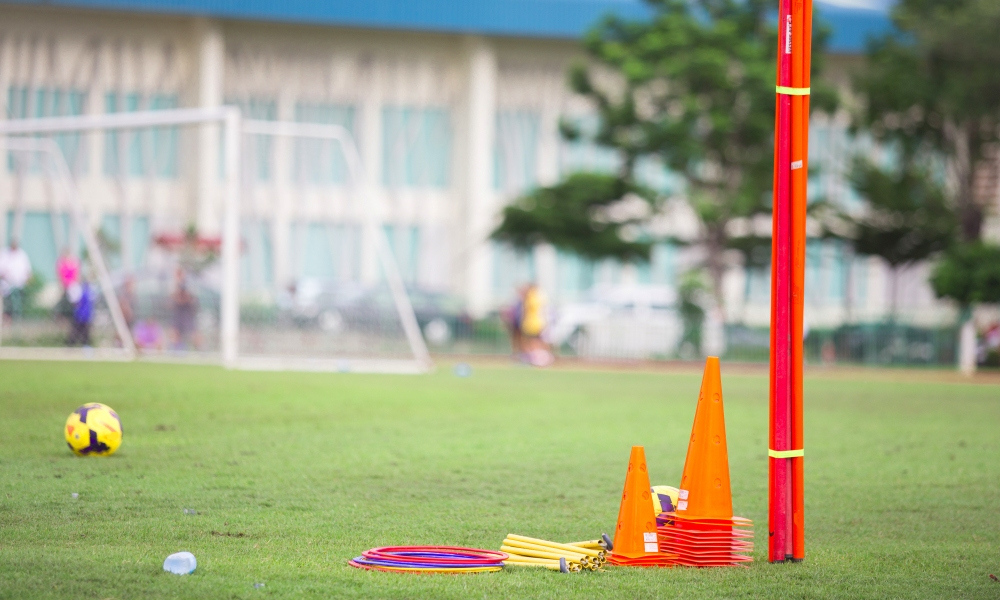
x=876 y=344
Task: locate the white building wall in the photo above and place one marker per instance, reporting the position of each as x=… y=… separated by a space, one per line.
x=473 y=81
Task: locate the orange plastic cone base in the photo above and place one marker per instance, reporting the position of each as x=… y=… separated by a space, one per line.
x=636 y=542
x=701 y=544
x=703 y=532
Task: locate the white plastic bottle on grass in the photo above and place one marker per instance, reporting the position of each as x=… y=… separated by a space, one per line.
x=180 y=563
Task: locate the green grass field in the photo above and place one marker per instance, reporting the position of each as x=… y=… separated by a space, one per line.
x=293 y=474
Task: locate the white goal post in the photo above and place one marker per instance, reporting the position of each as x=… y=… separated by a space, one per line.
x=13 y=136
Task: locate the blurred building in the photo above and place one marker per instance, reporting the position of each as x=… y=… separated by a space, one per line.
x=454 y=106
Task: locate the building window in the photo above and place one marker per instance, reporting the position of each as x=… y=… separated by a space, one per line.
x=416 y=147
x=512 y=267
x=322 y=161
x=404 y=241
x=118 y=253
x=576 y=276
x=327 y=251
x=259 y=148
x=40 y=236
x=149 y=152
x=32 y=103
x=583 y=154
x=257 y=259
x=516 y=152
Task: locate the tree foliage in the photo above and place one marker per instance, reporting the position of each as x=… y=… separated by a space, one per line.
x=692 y=87
x=969 y=273
x=908 y=218
x=935 y=85
x=578 y=215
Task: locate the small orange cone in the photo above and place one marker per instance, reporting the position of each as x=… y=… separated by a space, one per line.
x=703 y=531
x=636 y=542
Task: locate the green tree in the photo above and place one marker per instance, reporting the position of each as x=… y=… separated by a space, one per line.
x=907 y=218
x=968 y=274
x=935 y=84
x=693 y=88
x=578 y=215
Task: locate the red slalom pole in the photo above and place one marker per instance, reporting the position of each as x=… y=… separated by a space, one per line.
x=801 y=65
x=779 y=514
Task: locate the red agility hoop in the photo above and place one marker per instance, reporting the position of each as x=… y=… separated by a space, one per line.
x=430 y=559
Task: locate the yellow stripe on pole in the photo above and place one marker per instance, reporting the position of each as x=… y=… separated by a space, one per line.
x=786 y=453
x=791 y=91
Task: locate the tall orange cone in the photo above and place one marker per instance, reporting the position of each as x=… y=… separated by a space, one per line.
x=704 y=489
x=703 y=531
x=636 y=541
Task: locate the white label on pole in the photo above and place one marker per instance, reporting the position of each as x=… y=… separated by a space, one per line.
x=651 y=547
x=649 y=537
x=788 y=35
x=682 y=494
x=682 y=505
x=797 y=165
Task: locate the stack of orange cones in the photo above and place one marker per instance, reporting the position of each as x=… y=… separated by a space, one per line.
x=702 y=531
x=636 y=543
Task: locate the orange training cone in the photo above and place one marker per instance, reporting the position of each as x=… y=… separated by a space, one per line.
x=636 y=541
x=702 y=531
x=704 y=489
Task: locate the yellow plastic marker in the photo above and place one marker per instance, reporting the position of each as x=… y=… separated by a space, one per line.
x=590 y=544
x=566 y=547
x=573 y=554
x=553 y=565
x=550 y=567
x=519 y=558
x=535 y=553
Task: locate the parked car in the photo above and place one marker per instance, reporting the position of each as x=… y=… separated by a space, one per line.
x=624 y=321
x=336 y=307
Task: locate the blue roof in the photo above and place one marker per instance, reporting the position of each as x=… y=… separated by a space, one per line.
x=852 y=27
x=521 y=18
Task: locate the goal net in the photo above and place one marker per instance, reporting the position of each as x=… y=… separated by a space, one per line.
x=200 y=235
x=84 y=311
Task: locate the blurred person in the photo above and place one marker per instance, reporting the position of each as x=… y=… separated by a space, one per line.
x=988 y=352
x=533 y=323
x=15 y=271
x=148 y=335
x=126 y=301
x=185 y=314
x=67 y=268
x=992 y=336
x=511 y=317
x=83 y=315
x=68 y=274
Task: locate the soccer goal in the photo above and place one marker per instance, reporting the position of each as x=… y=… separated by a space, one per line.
x=274 y=258
x=89 y=300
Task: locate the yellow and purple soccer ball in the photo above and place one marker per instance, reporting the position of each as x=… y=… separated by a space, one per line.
x=664 y=498
x=94 y=430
